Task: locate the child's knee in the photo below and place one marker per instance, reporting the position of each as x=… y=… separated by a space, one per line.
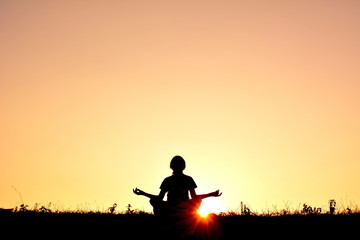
x=195 y=203
x=155 y=201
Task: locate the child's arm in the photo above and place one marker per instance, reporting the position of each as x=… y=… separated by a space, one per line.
x=202 y=196
x=140 y=192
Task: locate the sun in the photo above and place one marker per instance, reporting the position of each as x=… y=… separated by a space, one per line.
x=208 y=206
x=203 y=212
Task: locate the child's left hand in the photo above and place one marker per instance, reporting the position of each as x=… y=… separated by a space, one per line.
x=217 y=193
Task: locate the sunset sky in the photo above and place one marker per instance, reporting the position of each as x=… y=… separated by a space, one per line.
x=261 y=98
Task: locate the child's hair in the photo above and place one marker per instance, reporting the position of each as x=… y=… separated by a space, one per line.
x=177 y=164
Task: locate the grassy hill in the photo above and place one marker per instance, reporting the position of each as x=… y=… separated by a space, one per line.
x=71 y=225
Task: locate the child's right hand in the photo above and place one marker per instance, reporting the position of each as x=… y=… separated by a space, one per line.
x=138 y=191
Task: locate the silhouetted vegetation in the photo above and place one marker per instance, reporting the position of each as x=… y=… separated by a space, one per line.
x=128 y=223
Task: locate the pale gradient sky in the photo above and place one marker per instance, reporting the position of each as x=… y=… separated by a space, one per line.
x=261 y=98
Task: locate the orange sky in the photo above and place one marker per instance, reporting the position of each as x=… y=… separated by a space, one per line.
x=261 y=98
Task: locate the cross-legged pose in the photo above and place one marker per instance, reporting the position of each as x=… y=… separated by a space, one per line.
x=177 y=186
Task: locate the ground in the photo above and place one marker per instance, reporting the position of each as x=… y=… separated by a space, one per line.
x=147 y=226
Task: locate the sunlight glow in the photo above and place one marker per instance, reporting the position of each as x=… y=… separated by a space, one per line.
x=203 y=212
x=206 y=208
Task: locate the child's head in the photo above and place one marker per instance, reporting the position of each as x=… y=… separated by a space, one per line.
x=177 y=164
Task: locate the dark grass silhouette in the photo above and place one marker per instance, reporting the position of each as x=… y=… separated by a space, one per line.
x=142 y=225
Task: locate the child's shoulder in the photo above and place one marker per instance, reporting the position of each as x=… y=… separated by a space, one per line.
x=177 y=176
x=187 y=176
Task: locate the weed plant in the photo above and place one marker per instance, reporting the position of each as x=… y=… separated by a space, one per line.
x=244 y=210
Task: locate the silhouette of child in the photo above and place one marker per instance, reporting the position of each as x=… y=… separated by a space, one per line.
x=177 y=186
